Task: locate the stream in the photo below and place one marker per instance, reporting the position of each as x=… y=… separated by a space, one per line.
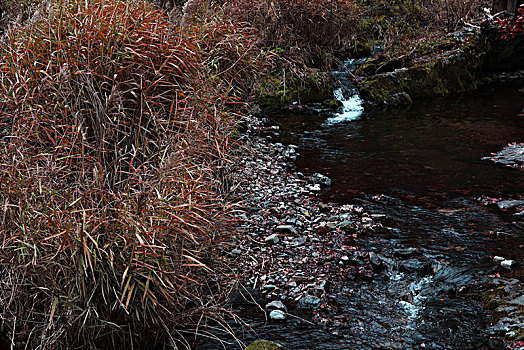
x=419 y=171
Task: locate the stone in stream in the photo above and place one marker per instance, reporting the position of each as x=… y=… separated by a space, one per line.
x=308 y=302
x=277 y=315
x=276 y=305
x=508 y=204
x=498 y=259
x=517 y=301
x=376 y=262
x=406 y=253
x=346 y=226
x=319 y=179
x=414 y=265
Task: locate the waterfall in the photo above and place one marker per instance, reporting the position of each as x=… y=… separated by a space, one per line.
x=352 y=105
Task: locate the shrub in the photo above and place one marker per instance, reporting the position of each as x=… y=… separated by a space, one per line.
x=512 y=26
x=110 y=141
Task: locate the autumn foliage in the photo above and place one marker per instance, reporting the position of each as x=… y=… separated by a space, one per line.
x=512 y=26
x=111 y=140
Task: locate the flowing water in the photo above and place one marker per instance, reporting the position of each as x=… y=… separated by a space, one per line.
x=421 y=168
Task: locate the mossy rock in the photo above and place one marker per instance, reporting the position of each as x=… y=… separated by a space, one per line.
x=265 y=345
x=385 y=89
x=332 y=104
x=275 y=92
x=442 y=75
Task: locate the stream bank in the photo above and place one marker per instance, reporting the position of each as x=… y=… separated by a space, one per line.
x=399 y=251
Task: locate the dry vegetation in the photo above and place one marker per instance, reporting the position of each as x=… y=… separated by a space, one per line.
x=112 y=138
x=116 y=124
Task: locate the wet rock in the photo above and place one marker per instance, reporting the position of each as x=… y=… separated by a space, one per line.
x=272 y=239
x=297 y=242
x=346 y=226
x=286 y=229
x=414 y=265
x=508 y=264
x=276 y=305
x=308 y=302
x=517 y=301
x=319 y=179
x=245 y=296
x=269 y=287
x=508 y=204
x=512 y=156
x=406 y=253
x=376 y=262
x=277 y=315
x=265 y=345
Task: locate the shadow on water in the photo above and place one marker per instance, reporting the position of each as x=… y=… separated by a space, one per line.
x=421 y=169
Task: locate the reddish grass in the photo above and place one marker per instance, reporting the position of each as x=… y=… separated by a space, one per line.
x=112 y=140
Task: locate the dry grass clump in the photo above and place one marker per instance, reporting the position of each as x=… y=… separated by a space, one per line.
x=398 y=24
x=110 y=141
x=300 y=32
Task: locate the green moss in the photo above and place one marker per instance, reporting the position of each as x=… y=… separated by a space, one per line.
x=265 y=345
x=333 y=104
x=275 y=91
x=493 y=298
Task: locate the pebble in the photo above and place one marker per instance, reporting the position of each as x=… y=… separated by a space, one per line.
x=277 y=315
x=498 y=259
x=508 y=264
x=272 y=239
x=286 y=229
x=308 y=302
x=236 y=252
x=276 y=305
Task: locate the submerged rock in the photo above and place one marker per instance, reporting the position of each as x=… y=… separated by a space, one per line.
x=511 y=155
x=245 y=296
x=308 y=302
x=319 y=179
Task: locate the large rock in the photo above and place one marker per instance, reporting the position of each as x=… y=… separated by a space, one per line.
x=448 y=65
x=265 y=345
x=442 y=75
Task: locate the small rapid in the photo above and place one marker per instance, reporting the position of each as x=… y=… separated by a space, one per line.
x=345 y=92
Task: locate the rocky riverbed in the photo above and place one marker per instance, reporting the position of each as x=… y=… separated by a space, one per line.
x=343 y=271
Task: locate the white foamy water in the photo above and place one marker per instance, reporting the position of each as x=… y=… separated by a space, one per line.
x=352 y=107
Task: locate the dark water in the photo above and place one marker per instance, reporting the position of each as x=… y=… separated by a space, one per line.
x=429 y=151
x=425 y=164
